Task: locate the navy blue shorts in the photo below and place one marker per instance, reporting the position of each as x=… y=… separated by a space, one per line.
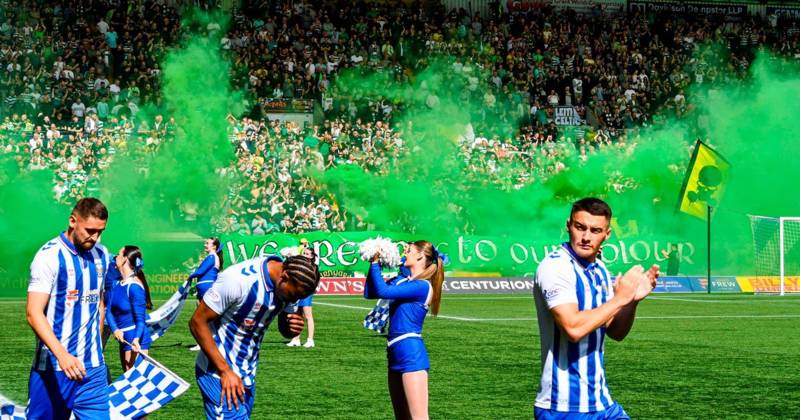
x=615 y=412
x=210 y=390
x=55 y=397
x=144 y=340
x=408 y=355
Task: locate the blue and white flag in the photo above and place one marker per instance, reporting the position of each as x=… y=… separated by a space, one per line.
x=159 y=321
x=146 y=387
x=9 y=410
x=377 y=318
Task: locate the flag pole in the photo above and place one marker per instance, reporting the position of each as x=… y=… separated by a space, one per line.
x=708 y=267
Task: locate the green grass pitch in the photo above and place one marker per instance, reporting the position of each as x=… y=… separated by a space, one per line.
x=688 y=356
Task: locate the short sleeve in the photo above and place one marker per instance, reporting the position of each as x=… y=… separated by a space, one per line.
x=224 y=292
x=43 y=274
x=556 y=280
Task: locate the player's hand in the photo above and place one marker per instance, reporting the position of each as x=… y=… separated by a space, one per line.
x=119 y=335
x=72 y=367
x=647 y=283
x=376 y=258
x=296 y=323
x=627 y=284
x=135 y=345
x=232 y=389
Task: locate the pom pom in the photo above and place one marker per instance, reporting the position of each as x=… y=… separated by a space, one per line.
x=389 y=255
x=289 y=251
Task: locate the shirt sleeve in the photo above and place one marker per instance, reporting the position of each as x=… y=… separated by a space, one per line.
x=409 y=290
x=43 y=274
x=226 y=291
x=205 y=266
x=556 y=280
x=139 y=308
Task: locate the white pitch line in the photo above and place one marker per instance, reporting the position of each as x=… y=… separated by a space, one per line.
x=666 y=317
x=718 y=316
x=454 y=318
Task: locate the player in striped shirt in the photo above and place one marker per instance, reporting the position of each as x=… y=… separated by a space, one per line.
x=577 y=307
x=65 y=310
x=231 y=321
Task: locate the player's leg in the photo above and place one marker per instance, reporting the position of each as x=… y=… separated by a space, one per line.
x=309 y=316
x=398 y=394
x=415 y=385
x=47 y=400
x=91 y=396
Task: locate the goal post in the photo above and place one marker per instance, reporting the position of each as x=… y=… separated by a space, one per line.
x=776 y=246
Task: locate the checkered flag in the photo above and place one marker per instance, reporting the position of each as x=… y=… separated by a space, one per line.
x=145 y=388
x=9 y=410
x=377 y=318
x=159 y=321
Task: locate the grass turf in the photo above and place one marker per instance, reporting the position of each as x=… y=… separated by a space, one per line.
x=688 y=356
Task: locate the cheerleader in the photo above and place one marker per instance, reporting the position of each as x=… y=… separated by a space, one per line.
x=417 y=290
x=128 y=302
x=207 y=273
x=304 y=305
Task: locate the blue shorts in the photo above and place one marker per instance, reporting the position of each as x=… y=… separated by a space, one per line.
x=615 y=412
x=202 y=287
x=52 y=396
x=210 y=390
x=144 y=341
x=408 y=355
x=304 y=302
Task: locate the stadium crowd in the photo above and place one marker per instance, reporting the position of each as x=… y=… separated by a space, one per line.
x=76 y=77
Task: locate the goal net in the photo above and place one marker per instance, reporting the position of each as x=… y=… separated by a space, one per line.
x=776 y=244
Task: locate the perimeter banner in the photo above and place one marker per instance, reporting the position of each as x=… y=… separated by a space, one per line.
x=470 y=256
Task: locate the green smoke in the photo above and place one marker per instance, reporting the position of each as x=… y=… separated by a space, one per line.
x=181 y=187
x=430 y=192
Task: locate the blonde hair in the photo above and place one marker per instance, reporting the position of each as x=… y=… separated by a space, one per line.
x=433 y=272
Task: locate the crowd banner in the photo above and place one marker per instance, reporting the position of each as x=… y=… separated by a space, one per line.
x=727 y=10
x=567 y=115
x=579 y=6
x=470 y=256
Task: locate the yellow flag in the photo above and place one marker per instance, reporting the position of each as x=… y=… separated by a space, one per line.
x=705 y=181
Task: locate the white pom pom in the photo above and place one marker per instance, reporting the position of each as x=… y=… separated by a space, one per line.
x=289 y=251
x=389 y=255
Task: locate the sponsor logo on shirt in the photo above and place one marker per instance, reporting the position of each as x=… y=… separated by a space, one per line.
x=550 y=294
x=73 y=295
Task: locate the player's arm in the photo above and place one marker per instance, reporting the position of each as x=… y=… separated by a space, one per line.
x=42 y=282
x=35 y=307
x=620 y=324
x=577 y=324
x=221 y=295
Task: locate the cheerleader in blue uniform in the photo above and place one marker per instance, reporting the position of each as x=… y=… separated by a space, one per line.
x=209 y=269
x=304 y=305
x=413 y=293
x=128 y=304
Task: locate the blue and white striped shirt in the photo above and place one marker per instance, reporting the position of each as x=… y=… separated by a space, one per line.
x=244 y=298
x=573 y=374
x=74 y=280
